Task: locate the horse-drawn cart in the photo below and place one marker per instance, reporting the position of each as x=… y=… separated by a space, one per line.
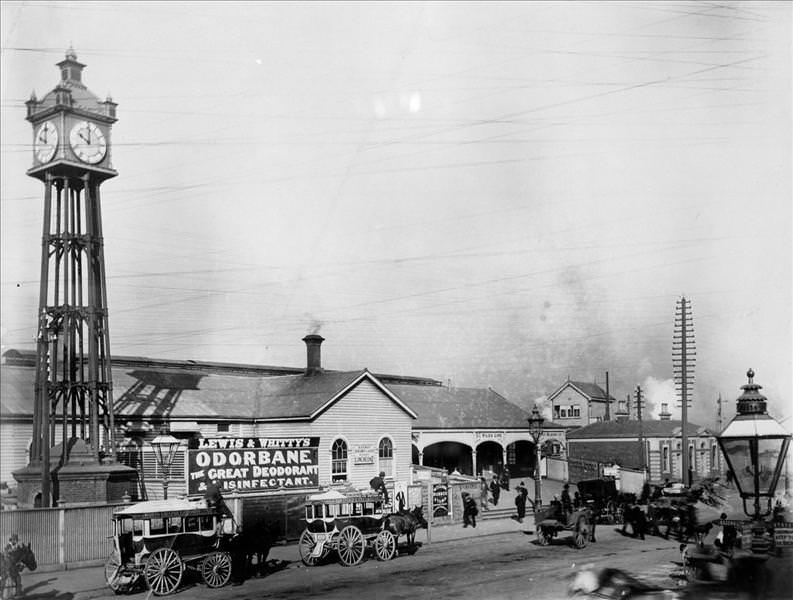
x=552 y=520
x=158 y=540
x=347 y=523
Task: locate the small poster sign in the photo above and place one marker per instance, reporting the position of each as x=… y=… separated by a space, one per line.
x=783 y=536
x=440 y=500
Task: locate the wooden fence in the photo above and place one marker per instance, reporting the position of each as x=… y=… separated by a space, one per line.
x=62 y=537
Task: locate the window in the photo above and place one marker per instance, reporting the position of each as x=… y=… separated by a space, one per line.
x=555 y=412
x=564 y=413
x=385 y=454
x=223 y=427
x=665 y=466
x=713 y=457
x=338 y=466
x=512 y=457
x=576 y=411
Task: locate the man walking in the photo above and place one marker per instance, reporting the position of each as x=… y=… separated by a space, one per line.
x=469 y=510
x=521 y=494
x=495 y=489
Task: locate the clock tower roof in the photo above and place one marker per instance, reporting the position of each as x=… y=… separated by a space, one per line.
x=72 y=93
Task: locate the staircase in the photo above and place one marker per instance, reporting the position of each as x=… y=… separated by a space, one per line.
x=502 y=511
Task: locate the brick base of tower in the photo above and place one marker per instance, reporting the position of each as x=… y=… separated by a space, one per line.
x=82 y=480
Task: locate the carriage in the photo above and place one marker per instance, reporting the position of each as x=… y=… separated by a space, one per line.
x=549 y=522
x=157 y=541
x=602 y=497
x=346 y=523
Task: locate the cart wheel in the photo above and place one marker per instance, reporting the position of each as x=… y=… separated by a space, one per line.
x=385 y=545
x=351 y=546
x=306 y=547
x=542 y=537
x=216 y=569
x=163 y=571
x=581 y=535
x=113 y=571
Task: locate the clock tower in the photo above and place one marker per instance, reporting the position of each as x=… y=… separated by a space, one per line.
x=73 y=448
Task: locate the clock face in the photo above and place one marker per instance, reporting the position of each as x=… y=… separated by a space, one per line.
x=88 y=142
x=46 y=142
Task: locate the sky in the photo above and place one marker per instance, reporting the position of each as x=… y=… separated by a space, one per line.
x=487 y=194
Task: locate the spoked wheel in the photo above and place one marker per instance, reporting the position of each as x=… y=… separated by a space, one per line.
x=163 y=571
x=385 y=545
x=542 y=537
x=216 y=569
x=113 y=571
x=351 y=546
x=581 y=534
x=306 y=548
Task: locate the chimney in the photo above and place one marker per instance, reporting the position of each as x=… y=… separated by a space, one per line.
x=665 y=415
x=313 y=356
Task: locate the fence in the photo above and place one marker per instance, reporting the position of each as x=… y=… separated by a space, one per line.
x=557 y=469
x=64 y=536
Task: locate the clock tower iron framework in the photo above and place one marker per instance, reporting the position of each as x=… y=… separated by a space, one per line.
x=73 y=444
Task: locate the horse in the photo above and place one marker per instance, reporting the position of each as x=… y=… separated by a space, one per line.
x=405 y=523
x=255 y=541
x=12 y=561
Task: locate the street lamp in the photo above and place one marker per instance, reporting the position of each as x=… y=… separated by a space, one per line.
x=536 y=421
x=755 y=446
x=165 y=446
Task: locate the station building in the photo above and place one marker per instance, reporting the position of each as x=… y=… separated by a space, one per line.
x=260 y=429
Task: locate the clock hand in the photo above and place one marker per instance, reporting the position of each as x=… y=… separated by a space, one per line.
x=87 y=140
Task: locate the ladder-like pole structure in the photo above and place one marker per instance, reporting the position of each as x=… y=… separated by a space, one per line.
x=683 y=359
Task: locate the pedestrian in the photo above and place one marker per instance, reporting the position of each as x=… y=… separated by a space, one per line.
x=577 y=502
x=238 y=558
x=469 y=510
x=521 y=494
x=567 y=504
x=483 y=490
x=505 y=478
x=495 y=489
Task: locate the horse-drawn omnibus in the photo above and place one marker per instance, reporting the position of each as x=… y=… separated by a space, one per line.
x=157 y=540
x=349 y=522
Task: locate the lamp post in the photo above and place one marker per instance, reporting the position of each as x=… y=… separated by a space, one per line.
x=536 y=421
x=755 y=446
x=165 y=447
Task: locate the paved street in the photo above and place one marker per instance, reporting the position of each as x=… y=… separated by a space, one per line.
x=502 y=565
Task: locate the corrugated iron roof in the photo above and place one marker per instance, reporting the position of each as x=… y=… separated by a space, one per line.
x=464 y=408
x=630 y=429
x=591 y=390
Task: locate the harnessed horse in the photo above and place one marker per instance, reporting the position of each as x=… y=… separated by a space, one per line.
x=11 y=564
x=405 y=523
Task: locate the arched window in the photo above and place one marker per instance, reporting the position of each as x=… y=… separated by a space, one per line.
x=385 y=453
x=338 y=462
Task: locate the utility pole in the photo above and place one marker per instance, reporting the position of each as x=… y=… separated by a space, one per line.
x=683 y=364
x=639 y=402
x=717 y=466
x=608 y=400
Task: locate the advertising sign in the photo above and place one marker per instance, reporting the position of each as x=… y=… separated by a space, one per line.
x=253 y=464
x=363 y=455
x=783 y=536
x=440 y=500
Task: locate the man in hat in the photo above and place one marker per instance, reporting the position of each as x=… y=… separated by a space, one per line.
x=378 y=485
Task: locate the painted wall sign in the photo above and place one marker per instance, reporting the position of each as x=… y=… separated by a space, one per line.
x=440 y=500
x=484 y=436
x=253 y=464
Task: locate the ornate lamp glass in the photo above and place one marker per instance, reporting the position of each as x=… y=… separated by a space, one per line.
x=165 y=447
x=755 y=447
x=536 y=421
